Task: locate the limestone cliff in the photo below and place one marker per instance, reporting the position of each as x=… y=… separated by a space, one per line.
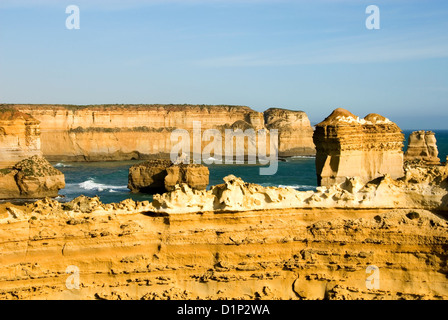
x=120 y=132
x=347 y=146
x=422 y=146
x=288 y=246
x=294 y=131
x=31 y=178
x=19 y=136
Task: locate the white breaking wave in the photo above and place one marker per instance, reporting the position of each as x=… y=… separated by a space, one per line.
x=61 y=165
x=92 y=185
x=303 y=157
x=294 y=186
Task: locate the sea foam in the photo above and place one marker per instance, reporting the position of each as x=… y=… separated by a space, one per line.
x=92 y=185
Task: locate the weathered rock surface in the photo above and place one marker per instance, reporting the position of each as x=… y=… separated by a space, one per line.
x=347 y=146
x=422 y=146
x=31 y=178
x=125 y=251
x=420 y=187
x=158 y=176
x=149 y=176
x=196 y=176
x=19 y=137
x=295 y=134
x=125 y=132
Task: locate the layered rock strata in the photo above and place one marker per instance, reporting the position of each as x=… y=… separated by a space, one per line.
x=422 y=146
x=19 y=137
x=124 y=132
x=290 y=247
x=158 y=176
x=31 y=178
x=295 y=134
x=347 y=146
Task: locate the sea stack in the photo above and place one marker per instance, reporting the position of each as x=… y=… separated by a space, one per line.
x=295 y=134
x=422 y=146
x=347 y=146
x=31 y=178
x=159 y=176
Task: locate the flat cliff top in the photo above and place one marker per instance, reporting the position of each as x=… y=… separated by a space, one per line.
x=136 y=107
x=281 y=110
x=12 y=114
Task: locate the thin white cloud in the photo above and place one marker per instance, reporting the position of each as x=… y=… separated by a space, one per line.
x=338 y=51
x=120 y=4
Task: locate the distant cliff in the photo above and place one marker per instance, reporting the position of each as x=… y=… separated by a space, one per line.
x=124 y=132
x=19 y=136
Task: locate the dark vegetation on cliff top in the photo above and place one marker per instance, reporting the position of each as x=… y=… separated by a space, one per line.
x=169 y=107
x=110 y=130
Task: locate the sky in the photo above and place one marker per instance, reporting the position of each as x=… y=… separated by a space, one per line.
x=313 y=56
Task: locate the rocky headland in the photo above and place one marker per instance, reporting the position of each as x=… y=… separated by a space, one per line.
x=235 y=241
x=240 y=240
x=125 y=132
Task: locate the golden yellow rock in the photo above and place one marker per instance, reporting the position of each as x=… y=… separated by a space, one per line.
x=125 y=132
x=31 y=178
x=19 y=136
x=347 y=146
x=158 y=176
x=422 y=146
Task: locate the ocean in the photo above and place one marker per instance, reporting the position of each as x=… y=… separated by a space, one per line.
x=108 y=180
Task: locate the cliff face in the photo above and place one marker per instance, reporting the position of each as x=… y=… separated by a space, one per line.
x=31 y=178
x=19 y=137
x=347 y=146
x=144 y=131
x=295 y=134
x=255 y=243
x=422 y=145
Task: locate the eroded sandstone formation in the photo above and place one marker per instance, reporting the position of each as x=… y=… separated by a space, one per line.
x=19 y=137
x=158 y=176
x=347 y=146
x=422 y=146
x=124 y=132
x=31 y=178
x=196 y=176
x=288 y=246
x=295 y=134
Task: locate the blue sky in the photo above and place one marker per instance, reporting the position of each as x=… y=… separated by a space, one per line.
x=313 y=56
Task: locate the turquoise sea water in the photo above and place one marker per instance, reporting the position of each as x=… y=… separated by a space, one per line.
x=108 y=180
